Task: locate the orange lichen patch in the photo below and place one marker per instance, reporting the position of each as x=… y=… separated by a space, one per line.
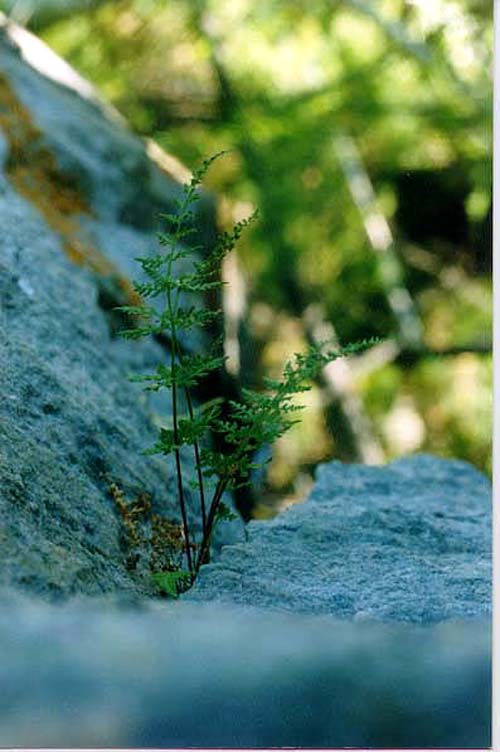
x=167 y=543
x=33 y=171
x=163 y=545
x=131 y=512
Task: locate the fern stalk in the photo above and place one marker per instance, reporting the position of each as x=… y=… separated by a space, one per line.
x=173 y=356
x=199 y=469
x=212 y=515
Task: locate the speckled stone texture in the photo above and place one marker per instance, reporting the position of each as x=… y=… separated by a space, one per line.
x=408 y=542
x=182 y=675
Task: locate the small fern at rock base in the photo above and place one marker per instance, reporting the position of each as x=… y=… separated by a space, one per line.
x=261 y=418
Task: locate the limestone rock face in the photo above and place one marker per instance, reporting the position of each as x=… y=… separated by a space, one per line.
x=79 y=199
x=183 y=675
x=409 y=542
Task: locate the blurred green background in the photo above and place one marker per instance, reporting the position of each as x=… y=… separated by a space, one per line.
x=362 y=131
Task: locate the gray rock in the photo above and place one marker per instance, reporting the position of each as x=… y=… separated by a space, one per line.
x=70 y=421
x=182 y=675
x=406 y=542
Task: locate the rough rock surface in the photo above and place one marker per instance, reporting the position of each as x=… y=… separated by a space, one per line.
x=78 y=200
x=182 y=675
x=410 y=541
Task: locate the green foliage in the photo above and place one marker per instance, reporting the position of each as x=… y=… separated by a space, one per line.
x=244 y=427
x=264 y=417
x=173 y=583
x=224 y=514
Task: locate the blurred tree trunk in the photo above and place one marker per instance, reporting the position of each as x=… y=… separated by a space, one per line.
x=379 y=235
x=355 y=439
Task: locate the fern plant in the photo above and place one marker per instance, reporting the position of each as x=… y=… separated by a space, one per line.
x=244 y=427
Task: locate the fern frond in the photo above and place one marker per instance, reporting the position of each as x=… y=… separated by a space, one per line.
x=244 y=427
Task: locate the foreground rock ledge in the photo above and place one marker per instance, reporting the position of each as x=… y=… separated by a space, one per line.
x=406 y=542
x=180 y=675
